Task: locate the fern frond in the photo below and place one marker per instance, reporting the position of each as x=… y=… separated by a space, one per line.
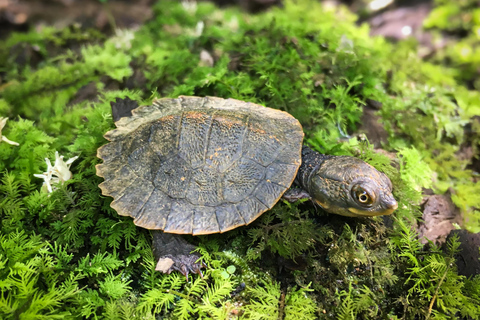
x=18 y=246
x=197 y=287
x=100 y=263
x=218 y=291
x=346 y=310
x=209 y=310
x=298 y=306
x=264 y=303
x=184 y=309
x=155 y=300
x=90 y=301
x=115 y=287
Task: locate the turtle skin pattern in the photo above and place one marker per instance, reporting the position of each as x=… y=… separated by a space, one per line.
x=195 y=165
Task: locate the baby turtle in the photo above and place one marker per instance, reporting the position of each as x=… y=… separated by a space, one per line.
x=198 y=166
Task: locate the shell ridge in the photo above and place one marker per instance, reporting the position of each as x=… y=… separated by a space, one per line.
x=259 y=213
x=137 y=112
x=218 y=222
x=261 y=201
x=127 y=125
x=220 y=187
x=98 y=169
x=149 y=140
x=239 y=213
x=244 y=135
x=207 y=137
x=121 y=192
x=242 y=142
x=256 y=186
x=171 y=209
x=161 y=107
x=157 y=104
x=204 y=101
x=179 y=130
x=253 y=160
x=275 y=183
x=119 y=197
x=141 y=211
x=193 y=218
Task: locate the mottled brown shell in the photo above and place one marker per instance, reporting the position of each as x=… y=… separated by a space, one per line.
x=199 y=165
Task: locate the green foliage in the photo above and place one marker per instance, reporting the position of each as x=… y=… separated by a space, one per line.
x=434 y=287
x=67 y=254
x=266 y=306
x=298 y=305
x=356 y=302
x=289 y=238
x=34 y=145
x=29 y=288
x=413 y=170
x=430 y=120
x=198 y=298
x=108 y=60
x=294 y=304
x=461 y=18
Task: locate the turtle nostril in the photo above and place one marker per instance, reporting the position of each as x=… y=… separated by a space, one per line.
x=392 y=205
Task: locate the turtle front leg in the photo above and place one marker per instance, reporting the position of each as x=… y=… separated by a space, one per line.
x=295 y=194
x=172 y=252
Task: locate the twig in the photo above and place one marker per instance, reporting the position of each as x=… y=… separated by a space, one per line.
x=281 y=306
x=430 y=307
x=181 y=295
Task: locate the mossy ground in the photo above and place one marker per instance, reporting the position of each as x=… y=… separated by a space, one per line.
x=69 y=255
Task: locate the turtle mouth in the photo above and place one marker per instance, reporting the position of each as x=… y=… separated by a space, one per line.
x=365 y=213
x=390 y=207
x=323 y=205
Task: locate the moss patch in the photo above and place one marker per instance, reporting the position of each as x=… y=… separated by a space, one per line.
x=67 y=254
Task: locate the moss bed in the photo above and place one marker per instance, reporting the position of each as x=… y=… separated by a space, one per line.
x=67 y=255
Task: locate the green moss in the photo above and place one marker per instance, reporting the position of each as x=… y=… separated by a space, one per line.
x=75 y=257
x=461 y=19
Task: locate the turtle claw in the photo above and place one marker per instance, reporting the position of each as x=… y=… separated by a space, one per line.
x=196 y=268
x=295 y=194
x=185 y=264
x=173 y=253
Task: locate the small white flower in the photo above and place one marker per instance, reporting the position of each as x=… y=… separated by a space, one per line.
x=206 y=59
x=199 y=28
x=190 y=5
x=376 y=5
x=3 y=122
x=346 y=45
x=123 y=38
x=59 y=173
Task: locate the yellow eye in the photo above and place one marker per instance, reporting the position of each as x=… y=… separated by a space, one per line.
x=362 y=196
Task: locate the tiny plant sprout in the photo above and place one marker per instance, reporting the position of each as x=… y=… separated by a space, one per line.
x=3 y=122
x=231 y=269
x=58 y=173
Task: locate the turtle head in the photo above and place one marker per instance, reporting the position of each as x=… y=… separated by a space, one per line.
x=350 y=187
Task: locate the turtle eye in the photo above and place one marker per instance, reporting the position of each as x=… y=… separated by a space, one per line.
x=362 y=196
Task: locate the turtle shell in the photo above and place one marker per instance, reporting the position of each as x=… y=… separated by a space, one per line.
x=196 y=165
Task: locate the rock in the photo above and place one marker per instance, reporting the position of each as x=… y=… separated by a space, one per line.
x=468 y=263
x=439 y=214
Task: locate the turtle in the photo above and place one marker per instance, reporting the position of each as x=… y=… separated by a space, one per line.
x=203 y=165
